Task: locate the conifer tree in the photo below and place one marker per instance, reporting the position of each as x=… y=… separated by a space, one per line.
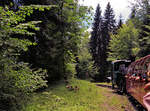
x=95 y=34
x=145 y=31
x=109 y=27
x=109 y=20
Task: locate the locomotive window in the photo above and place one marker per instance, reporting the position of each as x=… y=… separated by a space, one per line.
x=116 y=67
x=127 y=64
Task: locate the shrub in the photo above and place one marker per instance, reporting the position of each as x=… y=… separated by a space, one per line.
x=18 y=80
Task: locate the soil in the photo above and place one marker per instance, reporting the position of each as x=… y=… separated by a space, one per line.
x=116 y=101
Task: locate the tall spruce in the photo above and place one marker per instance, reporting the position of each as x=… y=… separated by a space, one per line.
x=94 y=45
x=109 y=26
x=109 y=20
x=145 y=31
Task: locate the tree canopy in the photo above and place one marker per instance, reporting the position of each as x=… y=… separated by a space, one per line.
x=124 y=44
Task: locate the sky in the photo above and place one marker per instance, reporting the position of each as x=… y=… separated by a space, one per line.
x=119 y=6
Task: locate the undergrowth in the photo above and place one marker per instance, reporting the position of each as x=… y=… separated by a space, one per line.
x=60 y=98
x=79 y=95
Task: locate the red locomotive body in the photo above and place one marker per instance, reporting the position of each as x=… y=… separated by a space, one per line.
x=138 y=77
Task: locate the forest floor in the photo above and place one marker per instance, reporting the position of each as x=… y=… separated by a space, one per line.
x=115 y=101
x=86 y=97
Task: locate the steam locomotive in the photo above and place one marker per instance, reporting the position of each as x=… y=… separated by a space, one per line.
x=133 y=78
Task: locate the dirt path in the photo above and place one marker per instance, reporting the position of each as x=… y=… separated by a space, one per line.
x=113 y=101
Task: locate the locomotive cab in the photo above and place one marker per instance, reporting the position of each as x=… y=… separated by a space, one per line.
x=119 y=68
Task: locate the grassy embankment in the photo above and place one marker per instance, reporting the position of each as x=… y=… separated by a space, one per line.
x=89 y=97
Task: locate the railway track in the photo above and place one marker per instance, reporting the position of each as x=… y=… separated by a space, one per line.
x=127 y=102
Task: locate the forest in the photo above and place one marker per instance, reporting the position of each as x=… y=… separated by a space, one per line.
x=45 y=41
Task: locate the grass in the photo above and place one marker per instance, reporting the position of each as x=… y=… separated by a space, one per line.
x=59 y=98
x=114 y=101
x=89 y=97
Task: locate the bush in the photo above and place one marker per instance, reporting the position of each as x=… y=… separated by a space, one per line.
x=18 y=80
x=86 y=69
x=70 y=70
